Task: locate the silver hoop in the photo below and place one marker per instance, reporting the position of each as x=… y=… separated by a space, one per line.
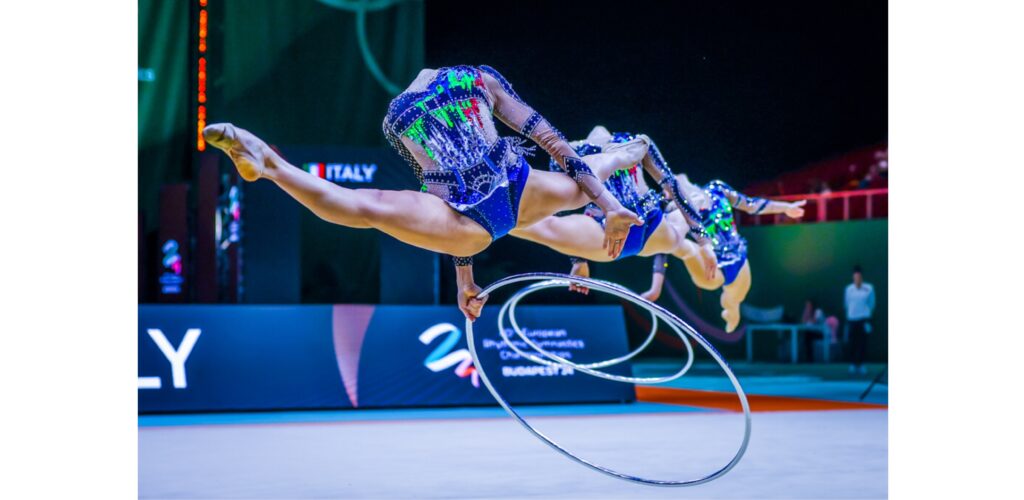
x=589 y=368
x=510 y=308
x=669 y=318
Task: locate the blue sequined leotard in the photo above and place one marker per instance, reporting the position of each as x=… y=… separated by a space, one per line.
x=623 y=186
x=446 y=133
x=730 y=248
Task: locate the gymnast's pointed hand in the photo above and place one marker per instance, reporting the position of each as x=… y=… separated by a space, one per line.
x=795 y=210
x=251 y=156
x=581 y=269
x=470 y=301
x=616 y=229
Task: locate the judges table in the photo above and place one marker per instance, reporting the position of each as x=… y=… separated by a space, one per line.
x=793 y=329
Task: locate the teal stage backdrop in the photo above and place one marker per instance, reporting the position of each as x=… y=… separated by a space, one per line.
x=795 y=262
x=790 y=264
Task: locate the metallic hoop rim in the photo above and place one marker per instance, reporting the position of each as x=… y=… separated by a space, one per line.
x=510 y=308
x=668 y=318
x=589 y=368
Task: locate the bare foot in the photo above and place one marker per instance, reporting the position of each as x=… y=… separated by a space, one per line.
x=732 y=319
x=251 y=156
x=630 y=153
x=599 y=135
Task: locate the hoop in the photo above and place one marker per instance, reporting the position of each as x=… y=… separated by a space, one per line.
x=655 y=310
x=589 y=368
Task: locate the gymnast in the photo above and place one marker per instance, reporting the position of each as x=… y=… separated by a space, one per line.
x=717 y=261
x=475 y=185
x=578 y=236
x=716 y=202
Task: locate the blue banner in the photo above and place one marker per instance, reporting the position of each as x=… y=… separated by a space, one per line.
x=219 y=357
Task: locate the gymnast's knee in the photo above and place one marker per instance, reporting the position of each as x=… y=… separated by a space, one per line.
x=532 y=232
x=706 y=285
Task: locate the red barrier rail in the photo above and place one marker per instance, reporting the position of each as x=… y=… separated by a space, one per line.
x=838 y=206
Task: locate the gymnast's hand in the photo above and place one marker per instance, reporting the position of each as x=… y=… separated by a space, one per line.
x=651 y=295
x=616 y=227
x=708 y=259
x=470 y=300
x=581 y=269
x=795 y=210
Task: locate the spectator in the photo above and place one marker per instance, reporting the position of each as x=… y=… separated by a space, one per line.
x=860 y=304
x=854 y=181
x=869 y=179
x=875 y=178
x=813 y=315
x=832 y=323
x=882 y=160
x=820 y=187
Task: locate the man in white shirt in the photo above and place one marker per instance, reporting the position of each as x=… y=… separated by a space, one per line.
x=860 y=304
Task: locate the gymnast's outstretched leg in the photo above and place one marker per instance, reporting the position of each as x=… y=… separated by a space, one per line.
x=576 y=234
x=416 y=218
x=581 y=236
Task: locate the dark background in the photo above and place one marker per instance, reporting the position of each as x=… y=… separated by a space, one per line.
x=736 y=90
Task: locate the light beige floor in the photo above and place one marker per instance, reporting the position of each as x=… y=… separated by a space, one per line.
x=825 y=454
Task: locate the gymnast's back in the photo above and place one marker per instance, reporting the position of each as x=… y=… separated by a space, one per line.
x=444 y=121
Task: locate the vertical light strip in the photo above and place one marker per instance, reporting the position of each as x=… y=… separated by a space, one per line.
x=201 y=78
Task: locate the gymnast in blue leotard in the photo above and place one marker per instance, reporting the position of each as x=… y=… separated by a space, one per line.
x=715 y=253
x=715 y=202
x=475 y=185
x=623 y=185
x=627 y=185
x=578 y=235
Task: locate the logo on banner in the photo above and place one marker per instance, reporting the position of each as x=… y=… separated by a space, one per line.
x=442 y=357
x=175 y=356
x=343 y=172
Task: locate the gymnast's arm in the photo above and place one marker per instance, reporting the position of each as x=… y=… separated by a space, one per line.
x=760 y=206
x=580 y=267
x=655 y=165
x=657 y=277
x=470 y=300
x=510 y=109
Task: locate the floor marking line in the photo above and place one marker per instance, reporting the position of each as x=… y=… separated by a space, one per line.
x=758 y=403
